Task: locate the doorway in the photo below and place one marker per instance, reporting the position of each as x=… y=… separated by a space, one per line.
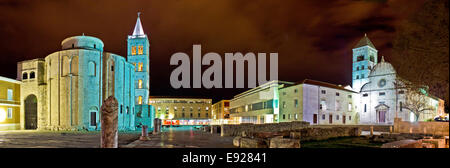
x=31 y=112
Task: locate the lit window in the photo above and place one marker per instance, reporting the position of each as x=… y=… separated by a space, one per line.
x=10 y=113
x=140 y=100
x=140 y=83
x=140 y=50
x=296 y=116
x=349 y=106
x=10 y=94
x=133 y=50
x=140 y=66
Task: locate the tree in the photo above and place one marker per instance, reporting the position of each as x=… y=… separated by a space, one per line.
x=421 y=48
x=417 y=99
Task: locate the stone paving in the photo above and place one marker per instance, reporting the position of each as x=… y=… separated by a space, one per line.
x=60 y=139
x=184 y=137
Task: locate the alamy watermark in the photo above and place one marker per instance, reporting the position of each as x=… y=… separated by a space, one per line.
x=214 y=60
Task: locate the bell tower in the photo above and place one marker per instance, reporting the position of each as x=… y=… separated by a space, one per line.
x=365 y=57
x=138 y=52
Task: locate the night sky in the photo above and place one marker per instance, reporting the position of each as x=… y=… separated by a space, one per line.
x=313 y=38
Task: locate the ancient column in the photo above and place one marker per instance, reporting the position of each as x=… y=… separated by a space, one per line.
x=157 y=126
x=144 y=135
x=109 y=121
x=371 y=130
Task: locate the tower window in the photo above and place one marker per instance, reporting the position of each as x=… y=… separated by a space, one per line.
x=323 y=91
x=362 y=67
x=112 y=67
x=372 y=58
x=133 y=50
x=32 y=76
x=360 y=58
x=140 y=83
x=362 y=76
x=140 y=50
x=357 y=68
x=95 y=46
x=140 y=67
x=365 y=107
x=25 y=75
x=357 y=76
x=140 y=100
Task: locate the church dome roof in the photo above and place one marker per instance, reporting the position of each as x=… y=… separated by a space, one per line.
x=85 y=42
x=382 y=68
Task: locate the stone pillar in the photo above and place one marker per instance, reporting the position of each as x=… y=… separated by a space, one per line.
x=144 y=135
x=109 y=122
x=157 y=126
x=390 y=129
x=371 y=130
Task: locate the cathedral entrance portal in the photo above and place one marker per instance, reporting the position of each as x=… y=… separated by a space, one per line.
x=382 y=110
x=31 y=112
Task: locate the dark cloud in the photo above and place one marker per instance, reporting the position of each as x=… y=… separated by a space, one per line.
x=313 y=38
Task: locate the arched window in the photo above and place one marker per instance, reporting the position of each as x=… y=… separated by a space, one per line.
x=65 y=66
x=140 y=84
x=24 y=76
x=121 y=109
x=32 y=75
x=140 y=67
x=140 y=50
x=140 y=100
x=133 y=50
x=128 y=110
x=74 y=65
x=91 y=68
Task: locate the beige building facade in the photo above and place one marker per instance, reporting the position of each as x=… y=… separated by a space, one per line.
x=182 y=111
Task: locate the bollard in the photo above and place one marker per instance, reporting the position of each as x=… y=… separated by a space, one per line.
x=109 y=121
x=410 y=130
x=371 y=130
x=144 y=135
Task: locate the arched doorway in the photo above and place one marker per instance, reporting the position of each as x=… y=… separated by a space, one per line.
x=31 y=112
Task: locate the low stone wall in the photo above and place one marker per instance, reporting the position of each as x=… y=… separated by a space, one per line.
x=376 y=128
x=433 y=128
x=236 y=130
x=317 y=133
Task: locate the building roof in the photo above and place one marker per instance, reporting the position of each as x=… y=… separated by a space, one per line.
x=9 y=80
x=138 y=30
x=325 y=84
x=365 y=41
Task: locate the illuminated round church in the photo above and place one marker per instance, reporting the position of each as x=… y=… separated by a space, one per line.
x=65 y=90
